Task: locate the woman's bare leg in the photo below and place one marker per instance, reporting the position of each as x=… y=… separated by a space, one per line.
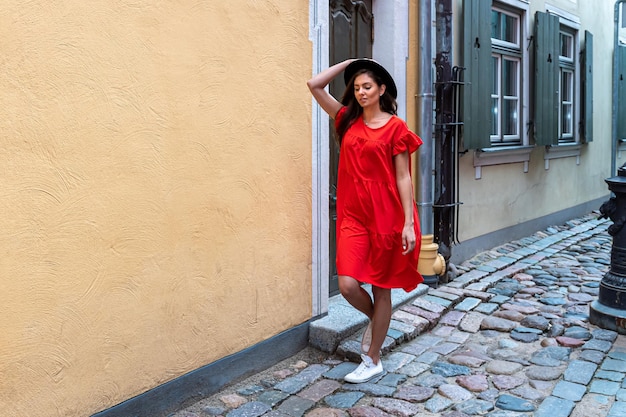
x=380 y=320
x=355 y=294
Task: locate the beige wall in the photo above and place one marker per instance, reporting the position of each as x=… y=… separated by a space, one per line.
x=505 y=195
x=156 y=192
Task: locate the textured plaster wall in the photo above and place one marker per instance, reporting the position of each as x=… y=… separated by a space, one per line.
x=505 y=195
x=155 y=192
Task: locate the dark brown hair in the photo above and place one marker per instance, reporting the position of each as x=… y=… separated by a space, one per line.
x=354 y=110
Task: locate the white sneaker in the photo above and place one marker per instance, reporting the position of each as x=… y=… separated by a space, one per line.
x=367 y=339
x=365 y=371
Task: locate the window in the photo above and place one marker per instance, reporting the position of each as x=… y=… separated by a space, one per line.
x=567 y=77
x=507 y=78
x=496 y=76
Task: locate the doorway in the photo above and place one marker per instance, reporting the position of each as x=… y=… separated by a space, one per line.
x=351 y=36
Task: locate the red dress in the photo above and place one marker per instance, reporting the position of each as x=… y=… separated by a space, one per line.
x=370 y=216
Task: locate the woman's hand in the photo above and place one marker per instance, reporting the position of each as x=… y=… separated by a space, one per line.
x=408 y=239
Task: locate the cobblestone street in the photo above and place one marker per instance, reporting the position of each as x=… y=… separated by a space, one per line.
x=509 y=337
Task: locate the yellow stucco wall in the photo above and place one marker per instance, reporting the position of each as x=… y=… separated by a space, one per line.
x=155 y=198
x=506 y=195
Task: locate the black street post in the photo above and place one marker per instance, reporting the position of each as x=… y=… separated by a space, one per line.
x=609 y=310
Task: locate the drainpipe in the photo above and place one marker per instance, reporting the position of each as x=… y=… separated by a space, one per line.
x=615 y=86
x=425 y=116
x=431 y=264
x=445 y=152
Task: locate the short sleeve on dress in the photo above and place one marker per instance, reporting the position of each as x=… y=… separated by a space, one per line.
x=340 y=114
x=407 y=141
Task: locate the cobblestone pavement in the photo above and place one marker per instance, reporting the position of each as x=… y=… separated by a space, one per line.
x=508 y=337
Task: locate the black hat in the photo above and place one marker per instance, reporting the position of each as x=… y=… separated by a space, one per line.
x=370 y=64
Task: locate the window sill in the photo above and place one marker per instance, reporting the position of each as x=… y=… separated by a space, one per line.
x=499 y=156
x=562 y=151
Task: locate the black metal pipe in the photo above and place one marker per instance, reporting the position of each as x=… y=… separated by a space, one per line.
x=444 y=188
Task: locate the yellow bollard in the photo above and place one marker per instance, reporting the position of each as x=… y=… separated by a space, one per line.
x=431 y=264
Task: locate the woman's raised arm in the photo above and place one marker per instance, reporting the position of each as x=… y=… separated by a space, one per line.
x=318 y=84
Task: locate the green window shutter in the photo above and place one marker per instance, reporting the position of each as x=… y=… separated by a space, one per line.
x=587 y=79
x=546 y=79
x=621 y=92
x=477 y=76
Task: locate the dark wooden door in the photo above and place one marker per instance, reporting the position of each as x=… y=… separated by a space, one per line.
x=351 y=36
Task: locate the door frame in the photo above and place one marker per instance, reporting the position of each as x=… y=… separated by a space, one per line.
x=390 y=48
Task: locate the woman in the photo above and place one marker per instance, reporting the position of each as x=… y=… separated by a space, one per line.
x=378 y=234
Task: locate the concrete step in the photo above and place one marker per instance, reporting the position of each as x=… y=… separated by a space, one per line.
x=343 y=320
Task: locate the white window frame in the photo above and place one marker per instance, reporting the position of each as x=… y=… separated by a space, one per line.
x=500 y=138
x=520 y=152
x=570 y=147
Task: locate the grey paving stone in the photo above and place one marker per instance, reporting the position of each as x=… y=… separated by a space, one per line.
x=530 y=393
x=445 y=348
x=614 y=365
x=295 y=406
x=471 y=322
x=250 y=390
x=397 y=360
x=580 y=372
x=486 y=308
x=474 y=407
x=393 y=379
x=408 y=330
x=251 y=409
x=430 y=305
x=444 y=294
x=468 y=304
x=366 y=411
x=272 y=397
x=427 y=357
x=454 y=392
x=396 y=407
x=458 y=337
x=452 y=318
x=344 y=399
x=414 y=348
x=429 y=340
x=511 y=403
x=214 y=411
x=594 y=356
x=430 y=380
x=341 y=370
x=601 y=345
x=500 y=299
x=320 y=389
x=414 y=369
x=414 y=394
x=437 y=404
x=371 y=388
x=617 y=354
x=618 y=410
x=276 y=413
x=604 y=387
x=569 y=391
x=447 y=370
x=554 y=407
x=610 y=375
x=526 y=337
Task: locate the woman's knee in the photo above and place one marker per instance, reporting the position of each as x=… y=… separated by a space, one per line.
x=348 y=286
